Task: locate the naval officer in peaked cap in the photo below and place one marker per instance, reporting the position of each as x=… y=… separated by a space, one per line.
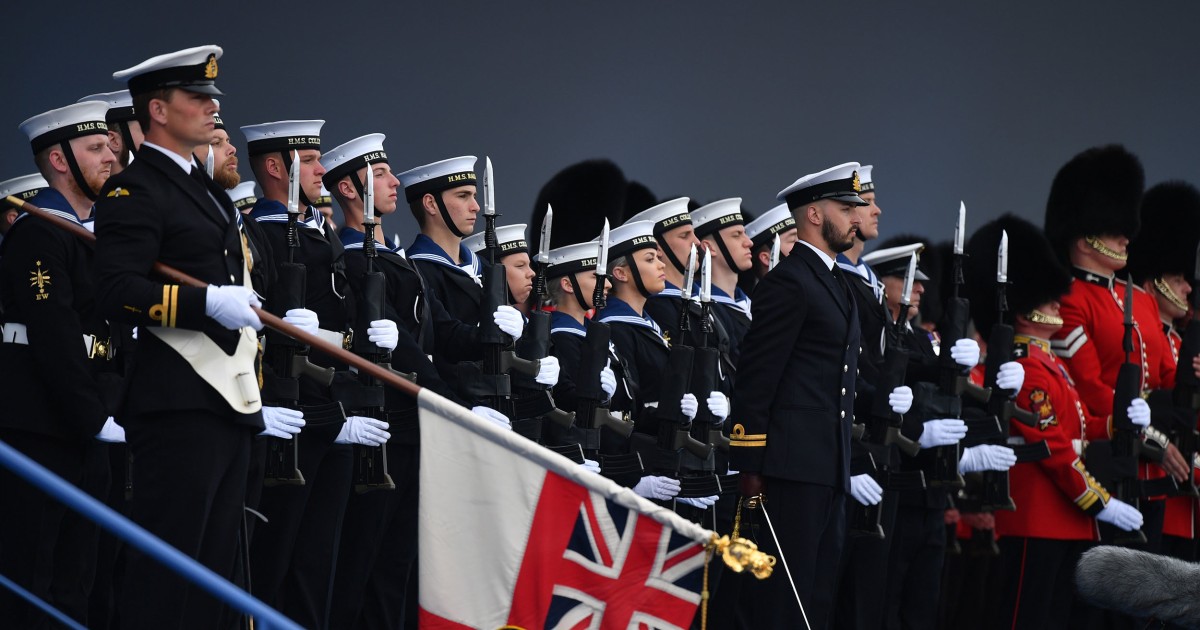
x=193 y=401
x=792 y=413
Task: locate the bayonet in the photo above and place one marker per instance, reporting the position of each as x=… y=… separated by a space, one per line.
x=906 y=295
x=293 y=200
x=960 y=229
x=706 y=278
x=489 y=191
x=601 y=268
x=774 y=253
x=1002 y=259
x=210 y=162
x=543 y=255
x=369 y=201
x=489 y=214
x=690 y=278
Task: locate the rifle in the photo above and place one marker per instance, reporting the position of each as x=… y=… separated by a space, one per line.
x=535 y=345
x=498 y=357
x=591 y=412
x=370 y=463
x=990 y=487
x=288 y=357
x=676 y=449
x=879 y=432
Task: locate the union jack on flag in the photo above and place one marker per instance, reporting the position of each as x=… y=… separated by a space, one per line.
x=514 y=536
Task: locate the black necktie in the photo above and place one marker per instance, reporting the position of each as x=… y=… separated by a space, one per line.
x=198 y=175
x=840 y=278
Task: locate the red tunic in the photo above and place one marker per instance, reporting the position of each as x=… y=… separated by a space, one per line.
x=1090 y=344
x=1056 y=497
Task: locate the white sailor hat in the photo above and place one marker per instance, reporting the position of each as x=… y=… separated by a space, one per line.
x=24 y=187
x=839 y=183
x=120 y=105
x=509 y=238
x=193 y=69
x=242 y=195
x=436 y=177
x=324 y=199
x=777 y=220
x=717 y=215
x=629 y=238
x=865 y=183
x=347 y=158
x=64 y=123
x=666 y=216
x=217 y=122
x=284 y=136
x=893 y=261
x=574 y=258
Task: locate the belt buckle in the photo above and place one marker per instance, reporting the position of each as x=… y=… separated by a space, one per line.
x=348 y=340
x=98 y=348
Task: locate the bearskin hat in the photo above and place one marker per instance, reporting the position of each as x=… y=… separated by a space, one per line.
x=638 y=197
x=583 y=195
x=1097 y=192
x=1170 y=231
x=1034 y=273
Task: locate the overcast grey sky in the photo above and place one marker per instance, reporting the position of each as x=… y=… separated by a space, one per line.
x=949 y=101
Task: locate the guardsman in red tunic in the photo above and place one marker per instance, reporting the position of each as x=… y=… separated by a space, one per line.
x=1162 y=260
x=1058 y=501
x=1091 y=216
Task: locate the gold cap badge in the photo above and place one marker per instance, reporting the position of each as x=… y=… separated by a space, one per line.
x=210 y=68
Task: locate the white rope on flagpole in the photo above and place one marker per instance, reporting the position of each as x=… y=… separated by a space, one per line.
x=779 y=550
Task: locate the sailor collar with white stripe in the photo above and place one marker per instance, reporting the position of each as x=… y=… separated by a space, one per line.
x=562 y=323
x=864 y=272
x=271 y=211
x=740 y=300
x=423 y=248
x=353 y=239
x=618 y=311
x=670 y=291
x=53 y=202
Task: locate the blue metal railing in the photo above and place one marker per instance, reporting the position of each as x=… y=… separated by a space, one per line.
x=265 y=617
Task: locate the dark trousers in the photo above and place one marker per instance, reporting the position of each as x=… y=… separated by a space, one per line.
x=110 y=563
x=810 y=522
x=33 y=541
x=375 y=583
x=915 y=567
x=1039 y=582
x=292 y=554
x=78 y=552
x=189 y=483
x=862 y=587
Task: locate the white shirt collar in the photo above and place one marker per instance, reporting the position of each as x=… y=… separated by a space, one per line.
x=186 y=165
x=824 y=257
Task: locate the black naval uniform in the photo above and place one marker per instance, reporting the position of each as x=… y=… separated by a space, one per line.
x=567 y=337
x=51 y=385
x=292 y=555
x=793 y=406
x=375 y=582
x=191 y=449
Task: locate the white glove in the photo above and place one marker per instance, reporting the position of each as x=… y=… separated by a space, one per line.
x=383 y=333
x=718 y=404
x=965 y=352
x=363 y=430
x=987 y=457
x=688 y=406
x=865 y=489
x=591 y=465
x=1121 y=515
x=702 y=502
x=661 y=488
x=492 y=416
x=608 y=381
x=901 y=399
x=943 y=432
x=111 y=431
x=282 y=422
x=1011 y=376
x=1139 y=412
x=509 y=321
x=133 y=333
x=230 y=306
x=303 y=319
x=548 y=371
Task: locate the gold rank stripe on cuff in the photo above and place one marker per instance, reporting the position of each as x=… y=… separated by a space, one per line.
x=166 y=312
x=739 y=437
x=1095 y=492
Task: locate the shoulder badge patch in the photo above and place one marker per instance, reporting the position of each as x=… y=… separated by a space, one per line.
x=1039 y=403
x=118 y=192
x=40 y=279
